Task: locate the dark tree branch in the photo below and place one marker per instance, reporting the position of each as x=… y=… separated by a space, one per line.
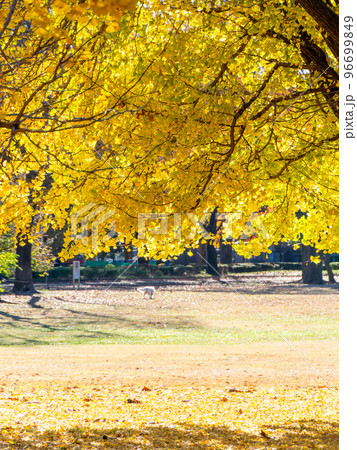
x=326 y=18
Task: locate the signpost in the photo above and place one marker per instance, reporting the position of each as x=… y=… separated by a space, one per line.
x=76 y=274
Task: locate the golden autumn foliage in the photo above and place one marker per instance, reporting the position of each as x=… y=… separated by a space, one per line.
x=197 y=105
x=106 y=416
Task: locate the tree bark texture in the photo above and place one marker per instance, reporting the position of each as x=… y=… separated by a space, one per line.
x=226 y=253
x=23 y=274
x=212 y=262
x=326 y=259
x=311 y=272
x=327 y=19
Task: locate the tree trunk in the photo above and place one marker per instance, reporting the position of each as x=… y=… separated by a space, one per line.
x=226 y=253
x=211 y=227
x=23 y=274
x=202 y=254
x=212 y=265
x=128 y=252
x=326 y=259
x=143 y=261
x=326 y=18
x=311 y=272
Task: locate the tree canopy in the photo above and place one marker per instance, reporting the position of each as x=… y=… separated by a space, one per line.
x=174 y=108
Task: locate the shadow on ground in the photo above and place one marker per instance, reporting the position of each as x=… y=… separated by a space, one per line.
x=297 y=435
x=38 y=325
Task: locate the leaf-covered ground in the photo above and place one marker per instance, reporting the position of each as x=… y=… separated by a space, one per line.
x=76 y=416
x=268 y=382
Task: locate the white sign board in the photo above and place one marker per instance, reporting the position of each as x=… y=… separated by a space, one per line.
x=76 y=272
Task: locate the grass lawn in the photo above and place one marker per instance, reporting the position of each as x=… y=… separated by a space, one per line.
x=172 y=317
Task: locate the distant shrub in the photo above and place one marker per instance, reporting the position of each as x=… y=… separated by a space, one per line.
x=335 y=265
x=180 y=269
x=290 y=266
x=242 y=268
x=8 y=263
x=110 y=273
x=194 y=269
x=165 y=270
x=143 y=271
x=257 y=267
x=157 y=273
x=89 y=273
x=61 y=272
x=267 y=266
x=131 y=270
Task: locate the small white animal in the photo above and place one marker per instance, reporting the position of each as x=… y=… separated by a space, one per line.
x=149 y=290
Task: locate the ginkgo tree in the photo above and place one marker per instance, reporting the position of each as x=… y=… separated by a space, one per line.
x=159 y=116
x=51 y=66
x=238 y=110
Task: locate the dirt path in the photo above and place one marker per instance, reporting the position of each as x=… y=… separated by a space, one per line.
x=246 y=365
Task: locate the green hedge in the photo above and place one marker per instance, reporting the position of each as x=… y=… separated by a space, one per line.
x=265 y=266
x=258 y=267
x=290 y=266
x=111 y=272
x=60 y=273
x=247 y=267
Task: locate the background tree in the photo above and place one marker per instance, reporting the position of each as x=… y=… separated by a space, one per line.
x=8 y=259
x=35 y=256
x=212 y=227
x=326 y=260
x=51 y=60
